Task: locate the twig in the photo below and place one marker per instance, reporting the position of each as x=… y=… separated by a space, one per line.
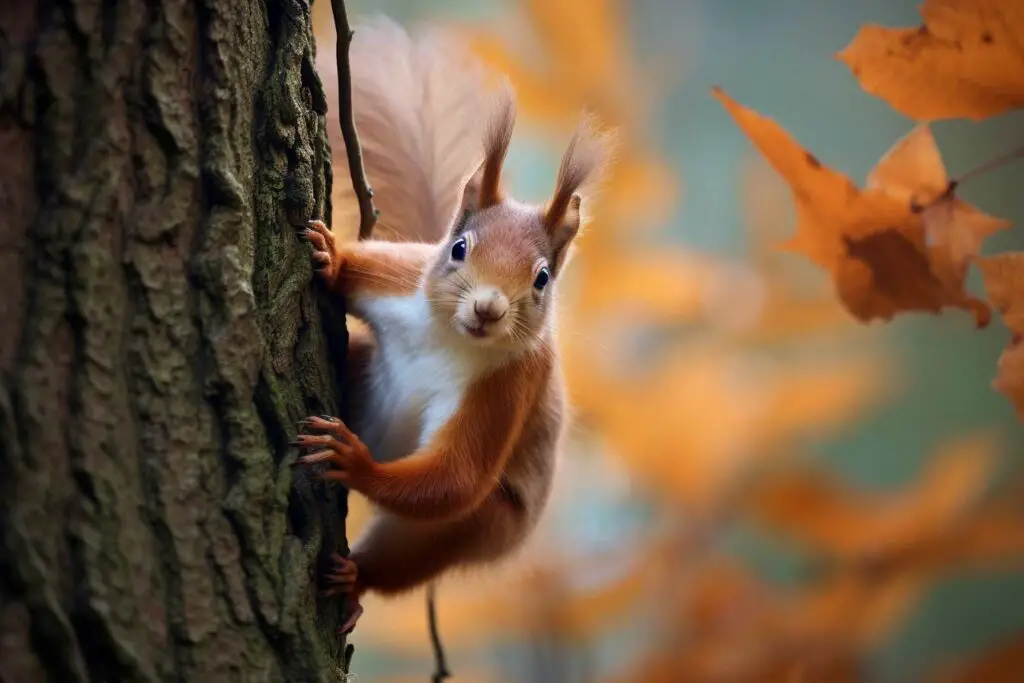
x=978 y=170
x=990 y=165
x=360 y=185
x=441 y=671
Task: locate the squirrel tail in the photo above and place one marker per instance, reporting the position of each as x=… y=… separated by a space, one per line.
x=421 y=101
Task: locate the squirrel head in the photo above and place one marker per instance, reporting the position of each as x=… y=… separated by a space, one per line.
x=494 y=278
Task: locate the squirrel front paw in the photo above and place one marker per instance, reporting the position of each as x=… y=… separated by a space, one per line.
x=338 y=446
x=326 y=259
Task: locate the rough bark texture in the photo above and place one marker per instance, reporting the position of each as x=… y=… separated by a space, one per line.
x=160 y=339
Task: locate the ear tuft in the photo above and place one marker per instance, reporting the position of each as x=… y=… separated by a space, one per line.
x=582 y=167
x=496 y=143
x=483 y=188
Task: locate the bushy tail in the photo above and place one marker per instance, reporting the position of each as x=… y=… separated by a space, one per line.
x=420 y=100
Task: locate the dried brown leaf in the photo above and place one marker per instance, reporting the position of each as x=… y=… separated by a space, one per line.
x=871 y=241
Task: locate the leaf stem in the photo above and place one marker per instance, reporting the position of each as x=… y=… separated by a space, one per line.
x=978 y=170
x=989 y=165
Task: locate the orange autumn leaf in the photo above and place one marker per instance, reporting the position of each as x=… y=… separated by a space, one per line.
x=964 y=61
x=583 y=39
x=1004 y=282
x=870 y=240
x=742 y=628
x=646 y=285
x=830 y=517
x=991 y=536
x=849 y=607
x=724 y=417
x=912 y=171
x=584 y=61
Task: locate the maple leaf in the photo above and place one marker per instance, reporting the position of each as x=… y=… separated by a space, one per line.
x=874 y=241
x=966 y=60
x=912 y=171
x=1004 y=281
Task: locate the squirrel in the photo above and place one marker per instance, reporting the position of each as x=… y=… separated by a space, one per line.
x=458 y=404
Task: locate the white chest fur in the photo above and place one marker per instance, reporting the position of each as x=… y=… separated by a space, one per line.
x=418 y=377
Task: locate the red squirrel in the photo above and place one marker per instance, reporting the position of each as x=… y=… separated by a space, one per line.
x=458 y=399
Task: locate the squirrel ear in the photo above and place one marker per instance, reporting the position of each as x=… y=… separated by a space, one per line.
x=582 y=165
x=483 y=189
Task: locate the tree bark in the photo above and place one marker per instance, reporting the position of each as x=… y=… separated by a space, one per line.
x=160 y=339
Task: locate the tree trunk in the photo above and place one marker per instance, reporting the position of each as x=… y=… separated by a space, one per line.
x=160 y=339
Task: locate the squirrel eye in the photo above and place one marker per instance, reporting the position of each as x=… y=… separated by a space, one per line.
x=541 y=280
x=459 y=249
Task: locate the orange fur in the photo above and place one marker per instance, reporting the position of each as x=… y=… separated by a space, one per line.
x=369 y=270
x=460 y=465
x=398 y=553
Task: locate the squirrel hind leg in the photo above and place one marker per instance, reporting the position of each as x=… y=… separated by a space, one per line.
x=396 y=554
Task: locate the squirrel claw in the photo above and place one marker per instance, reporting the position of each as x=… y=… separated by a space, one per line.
x=355 y=611
x=342 y=581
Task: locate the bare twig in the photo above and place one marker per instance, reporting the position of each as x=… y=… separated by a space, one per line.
x=360 y=185
x=978 y=170
x=990 y=165
x=441 y=671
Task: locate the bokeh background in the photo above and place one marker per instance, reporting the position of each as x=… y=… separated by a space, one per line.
x=757 y=487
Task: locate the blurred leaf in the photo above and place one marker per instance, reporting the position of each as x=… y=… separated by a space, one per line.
x=647 y=285
x=831 y=517
x=719 y=417
x=964 y=61
x=852 y=608
x=582 y=60
x=871 y=241
x=583 y=38
x=1004 y=282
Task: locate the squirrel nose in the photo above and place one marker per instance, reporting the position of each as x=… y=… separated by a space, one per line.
x=490 y=305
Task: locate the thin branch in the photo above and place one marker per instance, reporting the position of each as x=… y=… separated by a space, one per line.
x=364 y=193
x=990 y=165
x=441 y=671
x=978 y=170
